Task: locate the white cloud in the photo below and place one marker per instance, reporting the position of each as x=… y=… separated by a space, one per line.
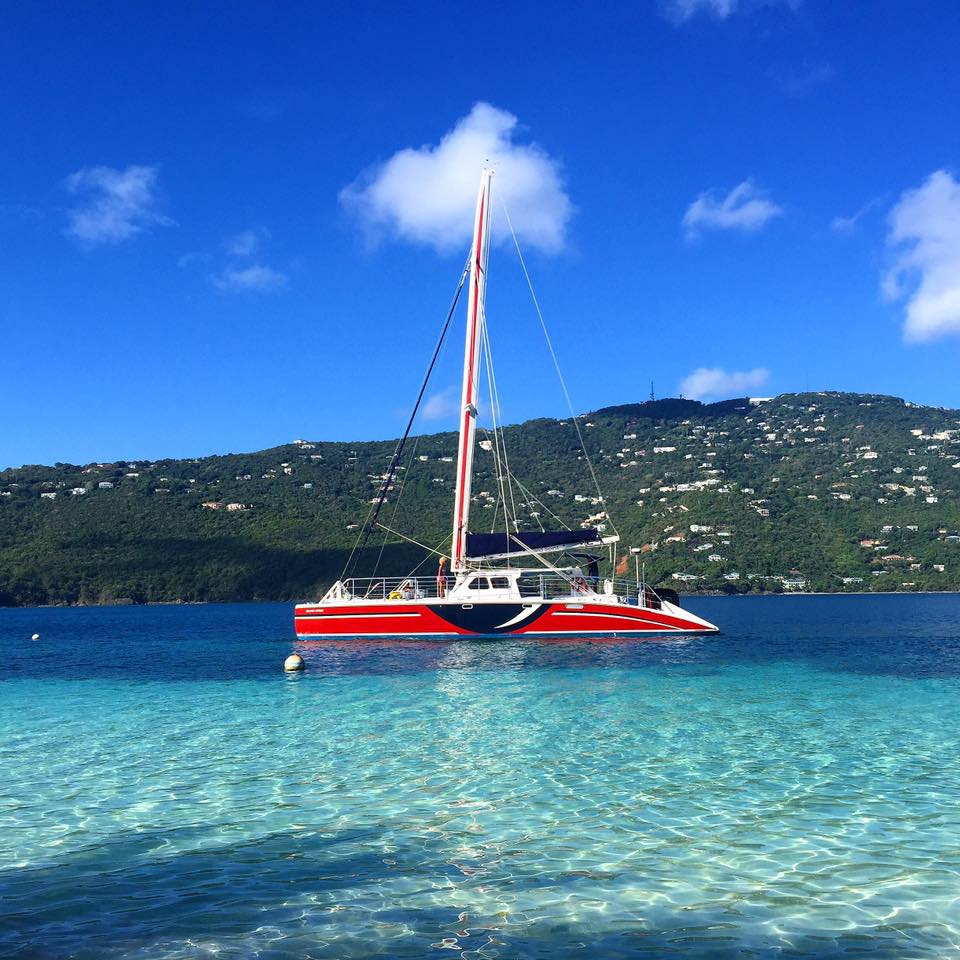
x=745 y=207
x=849 y=224
x=115 y=204
x=246 y=243
x=192 y=258
x=428 y=194
x=680 y=11
x=239 y=275
x=441 y=405
x=717 y=382
x=925 y=230
x=256 y=278
x=801 y=78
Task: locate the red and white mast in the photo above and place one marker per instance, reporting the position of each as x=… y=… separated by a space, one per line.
x=471 y=372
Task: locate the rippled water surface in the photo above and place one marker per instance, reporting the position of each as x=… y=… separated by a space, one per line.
x=790 y=788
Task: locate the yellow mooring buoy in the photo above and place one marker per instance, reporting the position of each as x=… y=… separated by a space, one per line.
x=293 y=663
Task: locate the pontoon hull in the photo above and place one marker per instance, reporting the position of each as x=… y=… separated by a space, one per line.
x=411 y=618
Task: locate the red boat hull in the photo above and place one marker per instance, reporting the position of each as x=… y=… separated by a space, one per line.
x=449 y=619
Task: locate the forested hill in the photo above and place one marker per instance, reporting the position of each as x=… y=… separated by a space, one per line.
x=823 y=491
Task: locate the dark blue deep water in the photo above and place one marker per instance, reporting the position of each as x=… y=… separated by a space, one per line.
x=789 y=788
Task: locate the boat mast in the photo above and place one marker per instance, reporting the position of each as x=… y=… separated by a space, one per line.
x=471 y=373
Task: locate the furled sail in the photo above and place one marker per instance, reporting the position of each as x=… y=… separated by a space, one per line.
x=471 y=371
x=502 y=544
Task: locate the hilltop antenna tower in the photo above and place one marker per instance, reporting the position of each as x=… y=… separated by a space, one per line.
x=652 y=395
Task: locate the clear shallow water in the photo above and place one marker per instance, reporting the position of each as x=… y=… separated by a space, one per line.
x=790 y=788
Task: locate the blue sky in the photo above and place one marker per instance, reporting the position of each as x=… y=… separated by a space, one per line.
x=226 y=226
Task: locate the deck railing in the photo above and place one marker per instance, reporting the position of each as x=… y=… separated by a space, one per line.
x=393 y=588
x=531 y=585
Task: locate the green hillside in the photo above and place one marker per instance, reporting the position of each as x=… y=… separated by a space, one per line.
x=822 y=491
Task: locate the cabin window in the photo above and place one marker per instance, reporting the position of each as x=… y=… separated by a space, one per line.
x=500 y=583
x=530 y=584
x=479 y=583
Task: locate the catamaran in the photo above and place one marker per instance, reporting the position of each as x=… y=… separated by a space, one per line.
x=499 y=583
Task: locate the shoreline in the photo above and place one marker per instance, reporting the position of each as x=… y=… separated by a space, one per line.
x=833 y=593
x=716 y=594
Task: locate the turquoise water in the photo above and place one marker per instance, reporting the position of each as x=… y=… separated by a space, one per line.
x=790 y=788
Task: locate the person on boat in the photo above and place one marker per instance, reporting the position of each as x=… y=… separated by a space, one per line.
x=442 y=577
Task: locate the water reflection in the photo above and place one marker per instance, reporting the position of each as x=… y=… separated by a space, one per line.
x=915 y=637
x=413 y=655
x=785 y=789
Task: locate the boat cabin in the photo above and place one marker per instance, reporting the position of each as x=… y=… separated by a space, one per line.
x=491 y=585
x=521 y=584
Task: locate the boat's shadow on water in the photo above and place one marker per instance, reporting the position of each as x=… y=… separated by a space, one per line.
x=189 y=892
x=859 y=652
x=409 y=655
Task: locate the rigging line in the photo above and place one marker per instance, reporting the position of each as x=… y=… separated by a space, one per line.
x=496 y=508
x=440 y=543
x=530 y=501
x=540 y=503
x=556 y=366
x=413 y=572
x=501 y=494
x=505 y=488
x=396 y=502
x=416 y=543
x=498 y=473
x=374 y=511
x=499 y=500
x=500 y=454
x=497 y=415
x=533 y=553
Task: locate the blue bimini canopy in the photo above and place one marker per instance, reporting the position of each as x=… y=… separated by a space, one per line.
x=503 y=544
